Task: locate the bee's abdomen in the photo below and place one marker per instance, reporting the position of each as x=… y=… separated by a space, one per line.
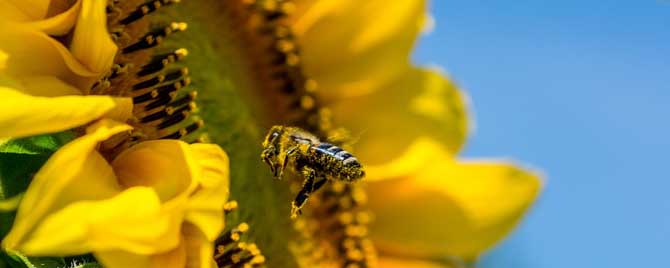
x=337 y=162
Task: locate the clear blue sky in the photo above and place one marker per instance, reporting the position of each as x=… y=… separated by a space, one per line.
x=580 y=89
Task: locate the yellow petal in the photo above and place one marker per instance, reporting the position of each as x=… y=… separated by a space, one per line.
x=3 y=60
x=130 y=221
x=46 y=86
x=36 y=54
x=422 y=152
x=419 y=103
x=450 y=208
x=167 y=166
x=352 y=47
x=123 y=259
x=66 y=177
x=59 y=24
x=194 y=251
x=91 y=43
x=26 y=115
x=394 y=262
x=205 y=207
x=22 y=11
x=176 y=257
x=199 y=249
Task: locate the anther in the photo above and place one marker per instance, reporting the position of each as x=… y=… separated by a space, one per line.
x=230 y=206
x=160 y=101
x=307 y=102
x=145 y=9
x=233 y=235
x=161 y=61
x=174 y=119
x=155 y=116
x=167 y=30
x=119 y=69
x=176 y=74
x=227 y=256
x=149 y=82
x=185 y=131
x=145 y=97
x=148 y=41
x=172 y=87
x=285 y=46
x=191 y=96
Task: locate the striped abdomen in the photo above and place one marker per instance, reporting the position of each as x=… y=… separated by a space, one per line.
x=336 y=162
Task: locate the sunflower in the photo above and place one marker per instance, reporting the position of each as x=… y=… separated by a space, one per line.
x=134 y=94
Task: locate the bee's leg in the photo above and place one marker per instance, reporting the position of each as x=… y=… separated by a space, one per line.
x=289 y=153
x=317 y=185
x=307 y=187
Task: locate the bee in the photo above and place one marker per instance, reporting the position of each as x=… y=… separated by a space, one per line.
x=291 y=147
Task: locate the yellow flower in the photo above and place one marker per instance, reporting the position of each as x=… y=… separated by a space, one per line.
x=409 y=124
x=29 y=28
x=157 y=204
x=429 y=204
x=41 y=78
x=353 y=47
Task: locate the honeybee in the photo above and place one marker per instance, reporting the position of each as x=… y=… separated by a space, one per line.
x=317 y=162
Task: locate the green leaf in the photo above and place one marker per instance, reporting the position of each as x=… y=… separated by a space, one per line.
x=82 y=261
x=41 y=144
x=19 y=260
x=20 y=159
x=89 y=265
x=17 y=170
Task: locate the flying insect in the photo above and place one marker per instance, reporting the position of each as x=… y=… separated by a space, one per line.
x=291 y=147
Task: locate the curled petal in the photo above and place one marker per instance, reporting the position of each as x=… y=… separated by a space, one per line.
x=26 y=115
x=367 y=42
x=24 y=11
x=125 y=259
x=450 y=208
x=130 y=221
x=91 y=43
x=64 y=178
x=198 y=247
x=420 y=103
x=205 y=207
x=35 y=53
x=59 y=24
x=167 y=166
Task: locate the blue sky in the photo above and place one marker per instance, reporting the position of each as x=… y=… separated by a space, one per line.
x=580 y=89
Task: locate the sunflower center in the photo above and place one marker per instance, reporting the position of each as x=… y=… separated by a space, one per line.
x=244 y=61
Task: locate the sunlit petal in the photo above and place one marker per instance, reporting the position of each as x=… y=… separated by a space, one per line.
x=171 y=171
x=353 y=47
x=199 y=249
x=205 y=207
x=37 y=54
x=450 y=208
x=25 y=115
x=59 y=24
x=419 y=103
x=24 y=11
x=64 y=178
x=130 y=221
x=91 y=43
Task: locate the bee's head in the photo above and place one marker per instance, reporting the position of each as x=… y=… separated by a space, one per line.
x=272 y=138
x=271 y=149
